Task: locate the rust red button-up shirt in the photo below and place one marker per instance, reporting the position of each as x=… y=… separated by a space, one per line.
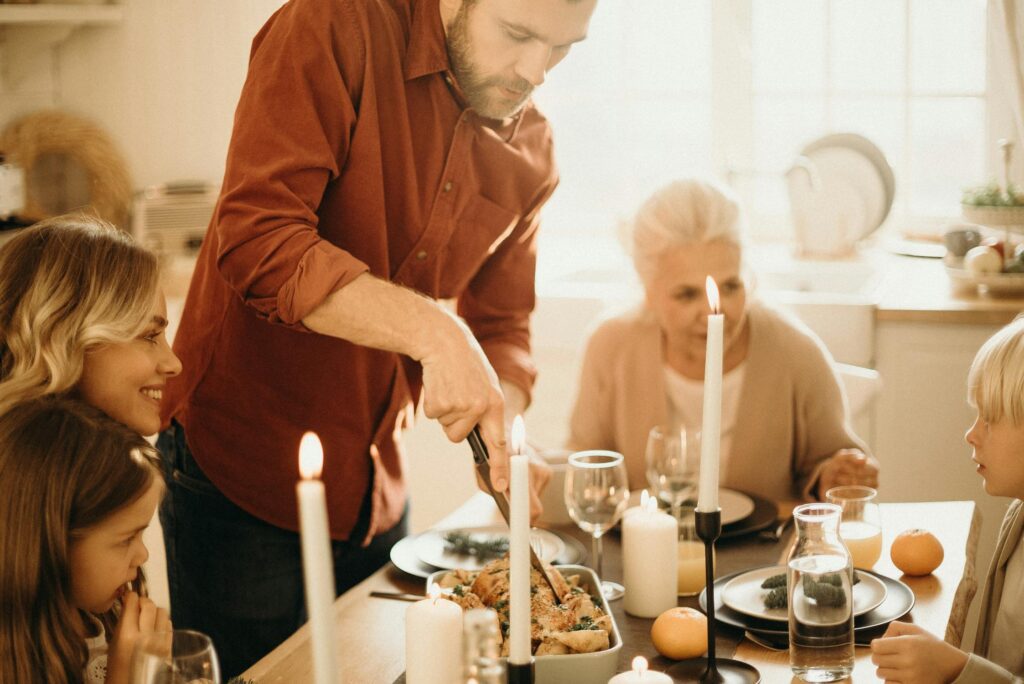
x=351 y=152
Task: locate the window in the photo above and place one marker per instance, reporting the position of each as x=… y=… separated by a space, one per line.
x=734 y=88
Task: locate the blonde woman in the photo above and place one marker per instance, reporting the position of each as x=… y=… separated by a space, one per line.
x=784 y=429
x=82 y=314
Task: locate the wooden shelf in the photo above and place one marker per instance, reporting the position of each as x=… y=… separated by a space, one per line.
x=74 y=14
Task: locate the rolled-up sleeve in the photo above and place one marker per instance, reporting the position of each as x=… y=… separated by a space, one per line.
x=291 y=138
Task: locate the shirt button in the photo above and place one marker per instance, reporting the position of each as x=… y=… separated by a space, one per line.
x=448 y=186
x=421 y=255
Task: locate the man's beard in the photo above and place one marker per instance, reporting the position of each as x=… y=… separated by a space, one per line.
x=479 y=89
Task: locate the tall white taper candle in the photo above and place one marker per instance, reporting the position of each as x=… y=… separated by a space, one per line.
x=520 y=651
x=710 y=434
x=317 y=568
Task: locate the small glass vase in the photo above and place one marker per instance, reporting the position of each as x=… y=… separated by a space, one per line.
x=820 y=578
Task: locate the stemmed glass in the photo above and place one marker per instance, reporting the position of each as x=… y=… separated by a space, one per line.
x=596 y=494
x=861 y=525
x=673 y=466
x=180 y=656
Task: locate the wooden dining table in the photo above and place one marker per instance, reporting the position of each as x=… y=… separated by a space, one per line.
x=370 y=631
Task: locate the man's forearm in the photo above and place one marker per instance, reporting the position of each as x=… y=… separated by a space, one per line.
x=375 y=313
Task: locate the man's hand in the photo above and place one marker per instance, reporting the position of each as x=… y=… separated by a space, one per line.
x=461 y=390
x=139 y=617
x=848 y=467
x=909 y=655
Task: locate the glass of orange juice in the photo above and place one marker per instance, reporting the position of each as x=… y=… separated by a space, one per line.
x=861 y=524
x=692 y=573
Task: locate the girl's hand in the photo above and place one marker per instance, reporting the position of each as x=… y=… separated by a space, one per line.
x=139 y=617
x=909 y=655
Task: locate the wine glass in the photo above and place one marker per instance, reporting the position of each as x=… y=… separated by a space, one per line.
x=596 y=494
x=861 y=525
x=181 y=656
x=672 y=467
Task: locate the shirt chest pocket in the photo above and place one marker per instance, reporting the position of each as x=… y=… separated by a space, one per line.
x=479 y=231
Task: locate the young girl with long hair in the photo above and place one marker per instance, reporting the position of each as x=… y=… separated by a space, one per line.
x=76 y=491
x=82 y=313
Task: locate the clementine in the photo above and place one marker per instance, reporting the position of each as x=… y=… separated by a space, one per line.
x=916 y=552
x=680 y=633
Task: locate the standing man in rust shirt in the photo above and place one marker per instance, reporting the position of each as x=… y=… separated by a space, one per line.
x=385 y=154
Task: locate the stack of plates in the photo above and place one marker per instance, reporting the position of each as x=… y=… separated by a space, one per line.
x=877 y=601
x=742 y=513
x=422 y=554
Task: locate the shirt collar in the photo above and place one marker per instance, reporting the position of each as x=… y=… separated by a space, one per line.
x=427 y=52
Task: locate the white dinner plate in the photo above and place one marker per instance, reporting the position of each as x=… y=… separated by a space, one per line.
x=735 y=505
x=432 y=549
x=744 y=594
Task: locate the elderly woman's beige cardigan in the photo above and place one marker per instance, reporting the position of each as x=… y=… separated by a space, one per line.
x=983 y=666
x=791 y=414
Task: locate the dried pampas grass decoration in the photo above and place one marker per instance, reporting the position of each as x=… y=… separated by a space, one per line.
x=53 y=132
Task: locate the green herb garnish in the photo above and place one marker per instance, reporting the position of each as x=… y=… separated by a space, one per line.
x=465 y=545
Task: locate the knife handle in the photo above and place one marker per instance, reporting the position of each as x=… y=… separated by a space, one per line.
x=476 y=443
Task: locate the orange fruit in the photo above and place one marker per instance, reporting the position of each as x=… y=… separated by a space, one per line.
x=680 y=633
x=916 y=552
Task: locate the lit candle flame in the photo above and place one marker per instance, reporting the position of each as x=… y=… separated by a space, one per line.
x=712 y=289
x=435 y=591
x=648 y=502
x=311 y=456
x=639 y=665
x=518 y=436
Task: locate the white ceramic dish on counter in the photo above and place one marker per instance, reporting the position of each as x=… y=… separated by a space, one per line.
x=994 y=284
x=579 y=668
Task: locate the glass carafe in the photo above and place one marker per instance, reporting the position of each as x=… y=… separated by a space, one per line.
x=820 y=578
x=481 y=648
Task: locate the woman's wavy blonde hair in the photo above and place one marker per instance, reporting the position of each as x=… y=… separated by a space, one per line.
x=67 y=285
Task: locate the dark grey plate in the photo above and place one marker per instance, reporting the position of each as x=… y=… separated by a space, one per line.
x=899 y=599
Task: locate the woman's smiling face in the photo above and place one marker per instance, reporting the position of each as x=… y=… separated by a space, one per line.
x=126 y=379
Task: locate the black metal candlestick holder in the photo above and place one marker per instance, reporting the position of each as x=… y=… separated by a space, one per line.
x=521 y=674
x=712 y=669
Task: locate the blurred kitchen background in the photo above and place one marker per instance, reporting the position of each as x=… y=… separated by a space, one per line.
x=849 y=128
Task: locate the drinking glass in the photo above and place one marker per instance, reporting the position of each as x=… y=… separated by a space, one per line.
x=596 y=494
x=861 y=526
x=673 y=466
x=180 y=656
x=692 y=575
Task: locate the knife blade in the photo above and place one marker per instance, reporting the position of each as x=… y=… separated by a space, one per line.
x=483 y=467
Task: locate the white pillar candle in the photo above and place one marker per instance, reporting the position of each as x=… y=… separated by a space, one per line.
x=640 y=675
x=433 y=641
x=649 y=559
x=317 y=568
x=710 y=434
x=520 y=650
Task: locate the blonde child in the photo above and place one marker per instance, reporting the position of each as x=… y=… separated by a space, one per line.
x=76 y=491
x=82 y=313
x=910 y=655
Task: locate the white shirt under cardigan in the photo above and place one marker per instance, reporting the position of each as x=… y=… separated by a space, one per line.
x=686 y=400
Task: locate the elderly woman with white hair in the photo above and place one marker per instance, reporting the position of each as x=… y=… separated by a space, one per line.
x=785 y=432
